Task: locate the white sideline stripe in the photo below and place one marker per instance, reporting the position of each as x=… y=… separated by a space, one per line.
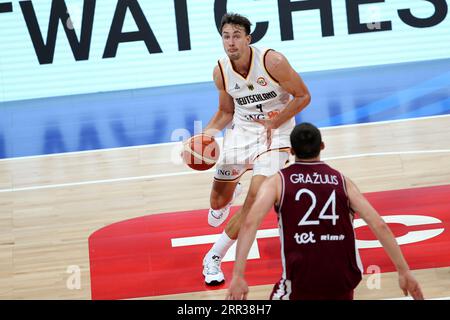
x=211 y=238
x=394 y=153
x=384 y=122
x=178 y=142
x=192 y=172
x=74 y=184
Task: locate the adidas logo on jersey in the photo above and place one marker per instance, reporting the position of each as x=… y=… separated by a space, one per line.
x=236 y=87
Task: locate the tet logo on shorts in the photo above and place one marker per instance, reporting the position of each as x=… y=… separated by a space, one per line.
x=261 y=81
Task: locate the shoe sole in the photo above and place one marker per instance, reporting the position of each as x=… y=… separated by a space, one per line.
x=213 y=282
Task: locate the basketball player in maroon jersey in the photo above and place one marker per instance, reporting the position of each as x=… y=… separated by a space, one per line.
x=315 y=206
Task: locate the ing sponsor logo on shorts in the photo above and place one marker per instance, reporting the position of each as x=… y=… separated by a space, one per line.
x=228 y=173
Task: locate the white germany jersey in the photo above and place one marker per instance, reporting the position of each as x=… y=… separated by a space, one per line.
x=257 y=96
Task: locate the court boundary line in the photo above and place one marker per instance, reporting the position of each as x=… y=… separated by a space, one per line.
x=192 y=172
x=165 y=144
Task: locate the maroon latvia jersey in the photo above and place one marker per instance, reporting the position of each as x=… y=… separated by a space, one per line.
x=318 y=250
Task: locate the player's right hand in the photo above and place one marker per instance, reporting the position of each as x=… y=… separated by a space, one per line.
x=409 y=284
x=268 y=124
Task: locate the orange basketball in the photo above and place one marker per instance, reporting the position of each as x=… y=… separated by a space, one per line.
x=201 y=152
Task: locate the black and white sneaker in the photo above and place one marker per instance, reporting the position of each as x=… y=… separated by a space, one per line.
x=211 y=270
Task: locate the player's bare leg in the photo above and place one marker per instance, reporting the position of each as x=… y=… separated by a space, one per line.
x=211 y=263
x=222 y=193
x=266 y=165
x=222 y=196
x=233 y=226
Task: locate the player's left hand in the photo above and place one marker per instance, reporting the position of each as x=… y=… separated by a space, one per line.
x=238 y=289
x=269 y=125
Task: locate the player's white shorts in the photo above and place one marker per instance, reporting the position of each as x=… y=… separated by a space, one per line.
x=244 y=150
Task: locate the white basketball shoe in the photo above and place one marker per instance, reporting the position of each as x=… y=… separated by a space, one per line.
x=217 y=217
x=211 y=269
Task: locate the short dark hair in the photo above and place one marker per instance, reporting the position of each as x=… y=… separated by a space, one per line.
x=306 y=140
x=237 y=19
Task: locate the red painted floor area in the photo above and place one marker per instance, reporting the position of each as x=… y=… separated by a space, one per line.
x=135 y=258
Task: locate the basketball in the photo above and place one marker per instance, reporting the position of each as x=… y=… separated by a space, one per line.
x=201 y=152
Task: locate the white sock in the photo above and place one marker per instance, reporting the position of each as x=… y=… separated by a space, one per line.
x=222 y=245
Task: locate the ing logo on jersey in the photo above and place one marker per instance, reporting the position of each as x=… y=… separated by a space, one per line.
x=255 y=116
x=261 y=81
x=262 y=116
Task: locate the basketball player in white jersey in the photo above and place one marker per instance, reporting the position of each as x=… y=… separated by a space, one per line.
x=259 y=96
x=314 y=201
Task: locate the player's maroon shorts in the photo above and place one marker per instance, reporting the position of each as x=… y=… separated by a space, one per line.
x=313 y=296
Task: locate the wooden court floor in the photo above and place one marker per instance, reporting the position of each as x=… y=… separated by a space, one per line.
x=50 y=205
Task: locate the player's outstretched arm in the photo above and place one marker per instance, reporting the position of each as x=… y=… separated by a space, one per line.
x=268 y=194
x=225 y=112
x=361 y=205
